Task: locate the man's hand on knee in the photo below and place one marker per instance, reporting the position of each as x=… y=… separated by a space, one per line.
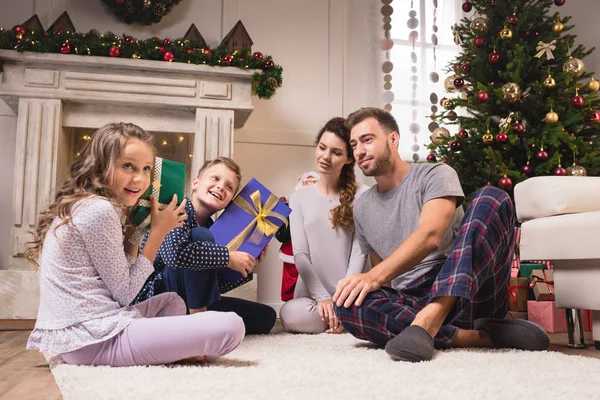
x=354 y=287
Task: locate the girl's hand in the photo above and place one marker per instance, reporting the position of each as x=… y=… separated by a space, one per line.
x=164 y=221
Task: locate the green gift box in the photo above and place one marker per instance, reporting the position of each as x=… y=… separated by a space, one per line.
x=525 y=271
x=167 y=179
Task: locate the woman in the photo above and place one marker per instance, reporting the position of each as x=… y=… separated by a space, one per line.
x=322 y=227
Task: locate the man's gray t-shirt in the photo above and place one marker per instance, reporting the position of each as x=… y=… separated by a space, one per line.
x=384 y=220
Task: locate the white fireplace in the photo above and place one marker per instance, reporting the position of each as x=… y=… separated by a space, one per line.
x=61 y=99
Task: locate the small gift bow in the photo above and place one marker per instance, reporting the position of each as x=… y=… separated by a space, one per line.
x=260 y=223
x=457 y=39
x=546 y=48
x=513 y=292
x=534 y=280
x=505 y=122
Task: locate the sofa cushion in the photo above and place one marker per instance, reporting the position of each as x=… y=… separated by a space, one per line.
x=545 y=196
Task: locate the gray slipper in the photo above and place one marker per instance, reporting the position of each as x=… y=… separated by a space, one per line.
x=514 y=334
x=413 y=344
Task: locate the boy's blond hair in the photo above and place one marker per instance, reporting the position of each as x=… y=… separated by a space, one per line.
x=228 y=162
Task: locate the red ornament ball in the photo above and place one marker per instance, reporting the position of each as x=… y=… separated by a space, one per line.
x=431 y=157
x=208 y=52
x=190 y=51
x=494 y=57
x=478 y=41
x=257 y=54
x=505 y=183
x=442 y=101
x=128 y=39
x=268 y=64
x=560 y=171
x=483 y=97
x=58 y=32
x=467 y=7
x=168 y=56
x=65 y=48
x=595 y=116
x=463 y=134
x=452 y=116
x=162 y=50
x=227 y=59
x=455 y=146
x=459 y=83
x=518 y=128
x=527 y=169
x=501 y=138
x=541 y=155
x=492 y=3
x=167 y=42
x=466 y=67
x=513 y=19
x=559 y=2
x=19 y=30
x=156 y=38
x=114 y=51
x=577 y=101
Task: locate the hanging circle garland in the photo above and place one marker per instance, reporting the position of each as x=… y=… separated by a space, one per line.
x=142 y=11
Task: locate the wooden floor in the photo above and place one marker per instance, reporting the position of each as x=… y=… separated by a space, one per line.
x=24 y=374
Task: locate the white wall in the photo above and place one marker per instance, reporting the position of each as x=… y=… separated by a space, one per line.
x=328 y=49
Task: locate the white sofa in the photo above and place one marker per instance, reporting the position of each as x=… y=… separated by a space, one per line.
x=560 y=218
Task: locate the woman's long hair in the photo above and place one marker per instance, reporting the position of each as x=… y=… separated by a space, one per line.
x=342 y=215
x=90 y=174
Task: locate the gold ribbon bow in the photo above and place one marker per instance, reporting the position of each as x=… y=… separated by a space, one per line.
x=259 y=225
x=546 y=48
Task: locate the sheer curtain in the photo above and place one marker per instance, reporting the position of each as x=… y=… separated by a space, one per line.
x=419 y=44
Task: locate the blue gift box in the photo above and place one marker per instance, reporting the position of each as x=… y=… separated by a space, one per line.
x=249 y=223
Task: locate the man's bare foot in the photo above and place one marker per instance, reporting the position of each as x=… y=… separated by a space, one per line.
x=197 y=310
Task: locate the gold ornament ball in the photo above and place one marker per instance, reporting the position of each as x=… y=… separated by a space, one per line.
x=551 y=118
x=511 y=92
x=506 y=34
x=558 y=27
x=488 y=138
x=576 y=170
x=573 y=67
x=479 y=25
x=449 y=84
x=448 y=104
x=440 y=135
x=549 y=82
x=593 y=85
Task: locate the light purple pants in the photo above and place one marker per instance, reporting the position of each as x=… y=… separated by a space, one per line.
x=165 y=335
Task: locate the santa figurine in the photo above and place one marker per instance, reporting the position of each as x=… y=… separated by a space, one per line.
x=289 y=276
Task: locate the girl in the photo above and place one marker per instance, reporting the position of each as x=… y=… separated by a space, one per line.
x=90 y=272
x=189 y=260
x=322 y=227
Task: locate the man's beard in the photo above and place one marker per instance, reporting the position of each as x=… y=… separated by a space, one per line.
x=382 y=164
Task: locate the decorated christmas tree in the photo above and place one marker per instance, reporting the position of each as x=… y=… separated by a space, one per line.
x=519 y=100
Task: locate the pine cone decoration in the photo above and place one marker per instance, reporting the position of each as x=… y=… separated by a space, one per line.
x=272 y=83
x=159 y=10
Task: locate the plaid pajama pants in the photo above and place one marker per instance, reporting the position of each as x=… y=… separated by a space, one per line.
x=477 y=271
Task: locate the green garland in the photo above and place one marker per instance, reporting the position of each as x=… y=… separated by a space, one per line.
x=264 y=84
x=144 y=11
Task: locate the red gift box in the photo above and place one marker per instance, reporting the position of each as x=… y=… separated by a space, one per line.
x=517 y=258
x=552 y=319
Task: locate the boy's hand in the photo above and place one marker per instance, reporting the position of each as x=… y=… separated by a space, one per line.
x=241 y=262
x=168 y=219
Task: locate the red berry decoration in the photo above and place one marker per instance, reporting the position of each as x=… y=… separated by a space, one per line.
x=19 y=30
x=463 y=134
x=483 y=97
x=128 y=39
x=559 y=2
x=466 y=67
x=467 y=7
x=65 y=48
x=227 y=59
x=501 y=138
x=577 y=101
x=459 y=83
x=478 y=41
x=518 y=128
x=560 y=171
x=268 y=64
x=166 y=42
x=541 y=155
x=454 y=145
x=257 y=54
x=431 y=157
x=114 y=51
x=168 y=56
x=208 y=52
x=527 y=169
x=452 y=115
x=505 y=183
x=494 y=57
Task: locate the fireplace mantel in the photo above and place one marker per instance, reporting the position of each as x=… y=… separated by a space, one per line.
x=51 y=92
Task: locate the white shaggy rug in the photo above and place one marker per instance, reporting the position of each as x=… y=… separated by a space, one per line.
x=285 y=366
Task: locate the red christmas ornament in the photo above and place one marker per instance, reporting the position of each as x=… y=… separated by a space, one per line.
x=518 y=128
x=577 y=101
x=268 y=64
x=58 y=32
x=492 y=3
x=595 y=116
x=454 y=145
x=167 y=42
x=114 y=51
x=513 y=19
x=505 y=183
x=431 y=157
x=156 y=38
x=257 y=54
x=463 y=134
x=227 y=59
x=459 y=83
x=457 y=68
x=65 y=48
x=494 y=57
x=190 y=51
x=467 y=7
x=527 y=169
x=19 y=30
x=501 y=138
x=541 y=155
x=482 y=97
x=559 y=2
x=128 y=39
x=452 y=115
x=442 y=101
x=478 y=41
x=208 y=52
x=560 y=171
x=162 y=50
x=168 y=56
x=466 y=67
